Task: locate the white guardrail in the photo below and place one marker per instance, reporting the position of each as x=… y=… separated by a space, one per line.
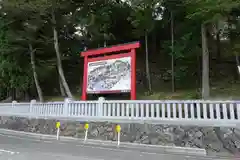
x=177 y=112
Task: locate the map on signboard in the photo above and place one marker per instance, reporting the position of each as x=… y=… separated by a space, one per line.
x=109 y=75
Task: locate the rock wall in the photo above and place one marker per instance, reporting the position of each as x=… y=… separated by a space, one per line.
x=220 y=141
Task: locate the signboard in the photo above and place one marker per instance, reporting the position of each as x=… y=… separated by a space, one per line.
x=110 y=75
x=110 y=70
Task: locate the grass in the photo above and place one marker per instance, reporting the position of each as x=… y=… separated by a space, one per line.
x=223 y=90
x=226 y=90
x=189 y=94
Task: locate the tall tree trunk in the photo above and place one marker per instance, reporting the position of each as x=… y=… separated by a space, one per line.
x=19 y=94
x=35 y=76
x=105 y=44
x=236 y=76
x=173 y=62
x=238 y=65
x=147 y=64
x=13 y=92
x=61 y=87
x=205 y=65
x=218 y=46
x=58 y=55
x=218 y=42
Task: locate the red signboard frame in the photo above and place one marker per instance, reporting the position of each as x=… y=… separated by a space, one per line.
x=129 y=51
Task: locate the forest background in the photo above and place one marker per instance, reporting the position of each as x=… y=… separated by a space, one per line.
x=189 y=48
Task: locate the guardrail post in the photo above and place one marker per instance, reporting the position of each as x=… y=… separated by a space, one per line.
x=14 y=107
x=100 y=106
x=32 y=102
x=13 y=103
x=65 y=107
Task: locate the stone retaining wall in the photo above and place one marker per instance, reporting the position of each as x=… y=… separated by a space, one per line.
x=215 y=140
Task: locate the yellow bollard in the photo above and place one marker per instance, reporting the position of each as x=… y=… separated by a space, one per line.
x=58 y=124
x=86 y=126
x=118 y=130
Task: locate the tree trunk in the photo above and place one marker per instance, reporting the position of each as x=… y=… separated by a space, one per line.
x=218 y=42
x=173 y=62
x=218 y=46
x=13 y=92
x=35 y=76
x=18 y=94
x=105 y=44
x=238 y=66
x=237 y=60
x=236 y=76
x=61 y=87
x=59 y=61
x=147 y=64
x=205 y=65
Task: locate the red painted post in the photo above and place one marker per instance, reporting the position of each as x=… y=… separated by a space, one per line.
x=133 y=74
x=84 y=85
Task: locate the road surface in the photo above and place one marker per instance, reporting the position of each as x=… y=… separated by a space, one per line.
x=23 y=147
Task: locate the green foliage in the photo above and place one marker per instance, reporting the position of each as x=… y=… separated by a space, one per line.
x=144 y=14
x=26 y=22
x=209 y=11
x=14 y=72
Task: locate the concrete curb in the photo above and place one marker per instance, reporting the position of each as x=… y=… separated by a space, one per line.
x=142 y=147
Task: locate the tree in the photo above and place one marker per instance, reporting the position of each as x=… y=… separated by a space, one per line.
x=24 y=33
x=208 y=12
x=143 y=17
x=35 y=75
x=48 y=11
x=15 y=74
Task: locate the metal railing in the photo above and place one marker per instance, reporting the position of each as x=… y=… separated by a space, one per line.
x=178 y=112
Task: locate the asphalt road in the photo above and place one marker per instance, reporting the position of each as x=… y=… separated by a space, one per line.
x=22 y=147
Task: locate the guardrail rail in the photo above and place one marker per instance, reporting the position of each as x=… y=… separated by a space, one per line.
x=177 y=112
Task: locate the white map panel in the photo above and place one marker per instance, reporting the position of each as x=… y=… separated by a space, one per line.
x=109 y=75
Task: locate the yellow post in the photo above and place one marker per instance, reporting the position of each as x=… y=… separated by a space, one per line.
x=118 y=130
x=86 y=126
x=58 y=124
